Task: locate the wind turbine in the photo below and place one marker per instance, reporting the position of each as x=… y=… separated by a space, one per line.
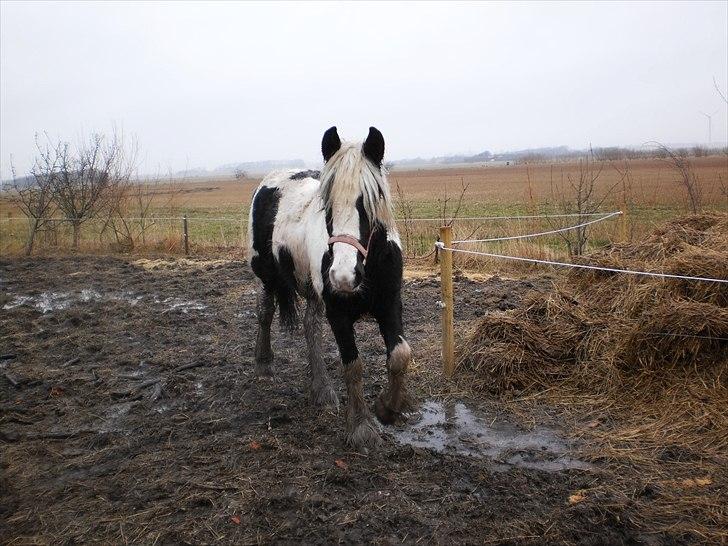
x=710 y=126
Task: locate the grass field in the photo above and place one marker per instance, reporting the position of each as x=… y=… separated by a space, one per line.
x=647 y=189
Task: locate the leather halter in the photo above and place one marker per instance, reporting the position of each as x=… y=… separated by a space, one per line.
x=353 y=241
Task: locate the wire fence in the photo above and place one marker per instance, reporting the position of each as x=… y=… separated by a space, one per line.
x=580 y=266
x=446 y=246
x=166 y=234
x=442 y=246
x=237 y=219
x=193 y=233
x=134 y=219
x=540 y=234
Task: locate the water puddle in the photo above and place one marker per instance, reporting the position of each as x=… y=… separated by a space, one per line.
x=458 y=429
x=126 y=296
x=178 y=304
x=46 y=302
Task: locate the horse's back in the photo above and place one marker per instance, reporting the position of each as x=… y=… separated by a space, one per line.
x=290 y=178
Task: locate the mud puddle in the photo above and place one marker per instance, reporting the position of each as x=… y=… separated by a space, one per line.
x=46 y=302
x=458 y=429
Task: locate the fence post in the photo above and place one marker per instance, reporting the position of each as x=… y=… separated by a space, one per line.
x=448 y=343
x=186 y=235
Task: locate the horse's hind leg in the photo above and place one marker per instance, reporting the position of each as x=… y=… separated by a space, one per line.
x=394 y=400
x=263 y=354
x=322 y=393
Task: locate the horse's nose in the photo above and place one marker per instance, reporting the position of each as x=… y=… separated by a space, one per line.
x=342 y=279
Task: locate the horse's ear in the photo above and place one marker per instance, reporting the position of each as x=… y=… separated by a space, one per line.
x=373 y=146
x=330 y=143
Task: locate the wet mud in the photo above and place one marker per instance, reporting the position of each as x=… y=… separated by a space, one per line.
x=129 y=412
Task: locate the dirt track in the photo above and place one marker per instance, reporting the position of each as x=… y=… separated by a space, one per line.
x=130 y=413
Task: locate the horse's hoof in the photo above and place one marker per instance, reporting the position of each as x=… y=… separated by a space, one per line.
x=384 y=413
x=324 y=395
x=365 y=436
x=389 y=413
x=406 y=403
x=263 y=369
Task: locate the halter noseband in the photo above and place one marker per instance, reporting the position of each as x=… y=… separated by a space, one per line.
x=353 y=241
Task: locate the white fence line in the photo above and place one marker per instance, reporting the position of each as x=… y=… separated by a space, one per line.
x=238 y=219
x=529 y=235
x=441 y=246
x=525 y=217
x=149 y=219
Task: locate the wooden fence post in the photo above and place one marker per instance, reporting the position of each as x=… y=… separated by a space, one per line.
x=448 y=342
x=186 y=235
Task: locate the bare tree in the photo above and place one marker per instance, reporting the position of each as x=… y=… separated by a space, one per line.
x=127 y=215
x=687 y=178
x=723 y=188
x=405 y=211
x=583 y=195
x=723 y=97
x=86 y=179
x=130 y=213
x=33 y=194
x=448 y=218
x=718 y=90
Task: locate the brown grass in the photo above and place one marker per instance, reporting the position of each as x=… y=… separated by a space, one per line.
x=652 y=181
x=651 y=192
x=640 y=363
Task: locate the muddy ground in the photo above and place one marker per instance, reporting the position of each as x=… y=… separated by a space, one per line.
x=130 y=413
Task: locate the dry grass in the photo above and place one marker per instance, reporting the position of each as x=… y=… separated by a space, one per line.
x=651 y=193
x=652 y=182
x=640 y=364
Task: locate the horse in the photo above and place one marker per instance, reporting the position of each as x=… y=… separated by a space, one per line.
x=329 y=237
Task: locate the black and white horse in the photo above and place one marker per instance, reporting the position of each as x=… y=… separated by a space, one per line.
x=330 y=237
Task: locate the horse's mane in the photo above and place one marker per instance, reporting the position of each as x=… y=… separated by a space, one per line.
x=348 y=174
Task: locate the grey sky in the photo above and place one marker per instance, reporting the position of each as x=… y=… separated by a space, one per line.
x=206 y=84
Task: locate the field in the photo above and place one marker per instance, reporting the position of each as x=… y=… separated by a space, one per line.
x=647 y=189
x=586 y=408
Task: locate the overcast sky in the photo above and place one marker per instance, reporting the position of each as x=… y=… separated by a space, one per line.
x=203 y=84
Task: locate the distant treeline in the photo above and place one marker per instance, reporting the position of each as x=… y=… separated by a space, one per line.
x=564 y=153
x=531 y=155
x=242 y=170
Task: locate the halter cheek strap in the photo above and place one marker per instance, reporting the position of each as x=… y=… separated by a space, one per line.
x=353 y=241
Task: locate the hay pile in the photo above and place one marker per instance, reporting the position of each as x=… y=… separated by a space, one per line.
x=603 y=330
x=639 y=367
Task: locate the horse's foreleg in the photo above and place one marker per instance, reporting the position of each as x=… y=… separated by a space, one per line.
x=263 y=354
x=361 y=429
x=322 y=393
x=394 y=400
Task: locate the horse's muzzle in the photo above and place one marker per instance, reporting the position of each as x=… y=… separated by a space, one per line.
x=344 y=279
x=343 y=282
